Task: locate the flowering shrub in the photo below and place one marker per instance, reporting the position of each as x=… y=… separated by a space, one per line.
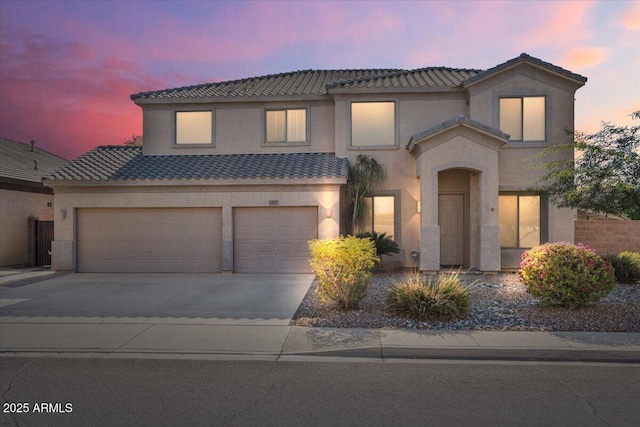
x=567 y=274
x=343 y=266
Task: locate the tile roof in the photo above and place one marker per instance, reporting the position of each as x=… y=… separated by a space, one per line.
x=306 y=82
x=525 y=58
x=461 y=119
x=119 y=163
x=317 y=82
x=420 y=78
x=17 y=161
x=320 y=82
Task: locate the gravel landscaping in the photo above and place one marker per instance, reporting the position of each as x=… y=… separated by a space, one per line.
x=498 y=302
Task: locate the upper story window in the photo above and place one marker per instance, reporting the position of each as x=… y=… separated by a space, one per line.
x=286 y=125
x=523 y=118
x=519 y=217
x=373 y=124
x=194 y=127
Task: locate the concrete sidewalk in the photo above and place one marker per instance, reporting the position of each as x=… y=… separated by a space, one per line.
x=196 y=337
x=146 y=339
x=9 y=276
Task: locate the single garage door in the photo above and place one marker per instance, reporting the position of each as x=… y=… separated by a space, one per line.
x=274 y=239
x=186 y=240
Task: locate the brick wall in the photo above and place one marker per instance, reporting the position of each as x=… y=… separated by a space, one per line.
x=609 y=236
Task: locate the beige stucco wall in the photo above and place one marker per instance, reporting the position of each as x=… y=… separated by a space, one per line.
x=15 y=209
x=460 y=148
x=415 y=113
x=238 y=128
x=520 y=165
x=68 y=199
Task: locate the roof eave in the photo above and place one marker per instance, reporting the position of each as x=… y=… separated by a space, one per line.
x=419 y=138
x=228 y=99
x=323 y=180
x=521 y=60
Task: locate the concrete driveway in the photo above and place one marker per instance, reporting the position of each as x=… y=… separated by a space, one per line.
x=212 y=299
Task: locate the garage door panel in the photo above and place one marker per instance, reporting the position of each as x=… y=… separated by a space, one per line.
x=274 y=239
x=122 y=249
x=149 y=240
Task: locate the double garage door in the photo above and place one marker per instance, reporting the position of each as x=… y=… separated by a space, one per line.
x=189 y=240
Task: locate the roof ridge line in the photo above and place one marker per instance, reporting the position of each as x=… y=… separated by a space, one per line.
x=400 y=72
x=254 y=78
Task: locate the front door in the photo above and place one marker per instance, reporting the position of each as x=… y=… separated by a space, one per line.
x=451 y=222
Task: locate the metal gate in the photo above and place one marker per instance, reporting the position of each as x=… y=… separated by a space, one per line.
x=44 y=237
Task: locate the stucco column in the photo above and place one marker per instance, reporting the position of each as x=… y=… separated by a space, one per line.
x=62 y=248
x=227 y=238
x=489 y=230
x=429 y=228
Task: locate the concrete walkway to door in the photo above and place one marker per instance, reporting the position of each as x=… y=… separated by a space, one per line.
x=152 y=313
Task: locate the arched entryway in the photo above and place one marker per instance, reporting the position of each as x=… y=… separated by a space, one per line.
x=457 y=163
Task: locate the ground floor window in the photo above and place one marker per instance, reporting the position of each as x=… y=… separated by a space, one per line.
x=519 y=221
x=380 y=215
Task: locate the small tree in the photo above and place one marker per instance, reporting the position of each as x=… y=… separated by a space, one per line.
x=605 y=178
x=364 y=175
x=134 y=141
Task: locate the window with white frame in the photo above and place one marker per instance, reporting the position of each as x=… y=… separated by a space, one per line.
x=286 y=125
x=194 y=127
x=373 y=124
x=519 y=217
x=523 y=118
x=380 y=216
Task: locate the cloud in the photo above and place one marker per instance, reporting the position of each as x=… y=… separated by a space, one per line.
x=630 y=20
x=566 y=26
x=64 y=96
x=584 y=57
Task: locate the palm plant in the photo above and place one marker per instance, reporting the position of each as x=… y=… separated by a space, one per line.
x=385 y=245
x=364 y=175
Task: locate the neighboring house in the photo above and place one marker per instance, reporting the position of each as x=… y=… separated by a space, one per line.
x=239 y=175
x=25 y=203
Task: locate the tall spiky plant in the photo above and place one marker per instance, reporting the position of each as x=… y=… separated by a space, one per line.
x=364 y=175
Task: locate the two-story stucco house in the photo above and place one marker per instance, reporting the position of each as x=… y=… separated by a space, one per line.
x=237 y=176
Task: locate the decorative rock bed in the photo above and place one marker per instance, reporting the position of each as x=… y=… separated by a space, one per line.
x=498 y=302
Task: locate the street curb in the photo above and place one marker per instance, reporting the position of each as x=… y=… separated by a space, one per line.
x=530 y=354
x=365 y=353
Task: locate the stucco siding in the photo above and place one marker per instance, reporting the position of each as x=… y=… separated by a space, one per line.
x=325 y=198
x=238 y=129
x=415 y=113
x=15 y=209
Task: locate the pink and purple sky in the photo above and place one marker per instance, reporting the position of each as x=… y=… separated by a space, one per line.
x=67 y=68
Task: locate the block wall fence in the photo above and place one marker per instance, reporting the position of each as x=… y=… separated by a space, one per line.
x=608 y=236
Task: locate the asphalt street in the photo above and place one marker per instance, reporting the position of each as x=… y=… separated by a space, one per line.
x=141 y=392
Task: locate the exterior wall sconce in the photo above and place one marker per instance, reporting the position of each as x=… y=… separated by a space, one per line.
x=63 y=213
x=418 y=206
x=328 y=213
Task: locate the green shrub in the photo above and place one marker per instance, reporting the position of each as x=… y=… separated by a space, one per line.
x=566 y=274
x=626 y=266
x=417 y=297
x=384 y=244
x=343 y=266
